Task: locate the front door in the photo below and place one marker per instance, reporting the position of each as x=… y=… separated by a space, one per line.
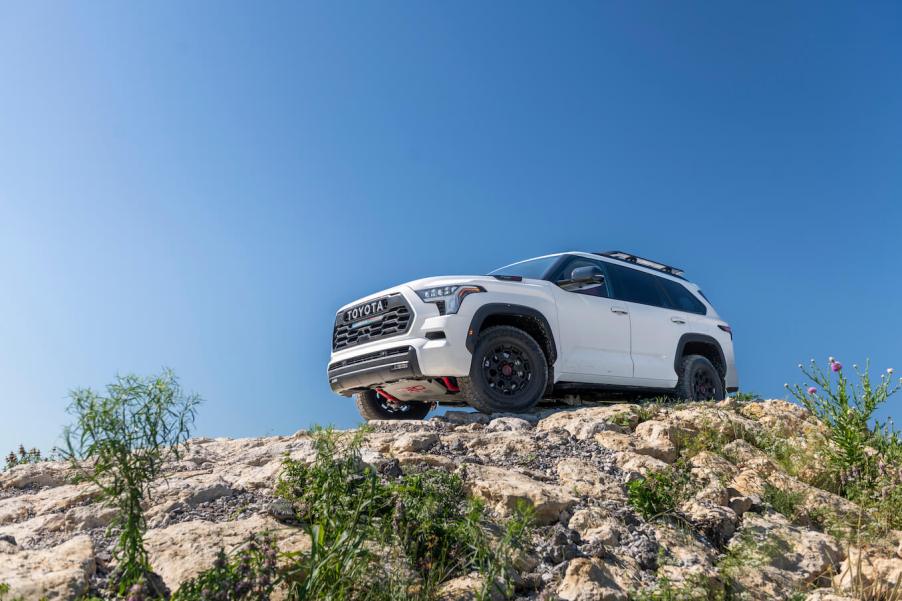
x=594 y=330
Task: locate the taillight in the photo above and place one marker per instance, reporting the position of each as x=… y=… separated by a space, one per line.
x=726 y=329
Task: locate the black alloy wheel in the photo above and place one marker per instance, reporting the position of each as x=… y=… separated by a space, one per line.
x=506 y=369
x=508 y=373
x=699 y=380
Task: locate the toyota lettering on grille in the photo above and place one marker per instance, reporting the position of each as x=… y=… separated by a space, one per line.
x=366 y=310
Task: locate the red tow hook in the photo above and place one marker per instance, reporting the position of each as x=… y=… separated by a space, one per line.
x=450 y=385
x=389 y=397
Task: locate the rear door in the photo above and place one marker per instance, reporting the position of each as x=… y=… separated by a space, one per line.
x=594 y=330
x=655 y=329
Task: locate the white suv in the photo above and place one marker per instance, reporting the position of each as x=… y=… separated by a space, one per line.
x=552 y=327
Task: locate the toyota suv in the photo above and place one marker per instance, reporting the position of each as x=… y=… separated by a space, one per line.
x=565 y=325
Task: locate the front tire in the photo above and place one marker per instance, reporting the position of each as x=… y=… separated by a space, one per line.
x=509 y=372
x=699 y=380
x=373 y=405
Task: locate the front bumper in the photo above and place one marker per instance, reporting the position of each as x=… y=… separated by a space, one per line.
x=434 y=346
x=371 y=369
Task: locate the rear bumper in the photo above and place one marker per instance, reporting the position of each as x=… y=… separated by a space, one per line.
x=379 y=367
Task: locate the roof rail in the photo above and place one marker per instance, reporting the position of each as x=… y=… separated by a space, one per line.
x=635 y=260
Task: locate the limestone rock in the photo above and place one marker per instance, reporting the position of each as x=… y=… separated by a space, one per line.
x=717 y=522
x=596 y=525
x=506 y=424
x=503 y=489
x=788 y=557
x=638 y=465
x=465 y=588
x=582 y=478
x=656 y=440
x=584 y=423
x=183 y=550
x=876 y=568
x=588 y=580
x=57 y=573
x=411 y=443
x=36 y=475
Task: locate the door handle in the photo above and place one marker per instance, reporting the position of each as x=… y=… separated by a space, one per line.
x=677 y=320
x=619 y=310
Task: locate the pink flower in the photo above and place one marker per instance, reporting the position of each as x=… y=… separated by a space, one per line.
x=836 y=366
x=812 y=390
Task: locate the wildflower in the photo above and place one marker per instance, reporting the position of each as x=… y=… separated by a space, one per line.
x=800 y=366
x=889 y=370
x=831 y=359
x=812 y=390
x=836 y=366
x=785 y=385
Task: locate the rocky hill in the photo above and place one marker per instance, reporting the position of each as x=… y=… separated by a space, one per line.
x=630 y=502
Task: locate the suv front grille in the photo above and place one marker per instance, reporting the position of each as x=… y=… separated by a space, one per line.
x=396 y=320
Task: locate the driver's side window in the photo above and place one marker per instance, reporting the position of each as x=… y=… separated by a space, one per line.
x=593 y=288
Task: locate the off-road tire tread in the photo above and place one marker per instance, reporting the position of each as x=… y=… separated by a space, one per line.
x=688 y=365
x=468 y=392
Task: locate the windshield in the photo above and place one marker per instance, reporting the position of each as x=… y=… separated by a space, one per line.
x=531 y=268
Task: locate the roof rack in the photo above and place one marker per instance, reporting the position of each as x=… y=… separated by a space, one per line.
x=630 y=258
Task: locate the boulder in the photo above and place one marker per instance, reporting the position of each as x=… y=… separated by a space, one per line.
x=183 y=550
x=685 y=557
x=465 y=588
x=636 y=465
x=596 y=525
x=36 y=475
x=412 y=443
x=503 y=489
x=716 y=522
x=56 y=573
x=589 y=580
x=787 y=558
x=655 y=438
x=873 y=567
x=507 y=424
x=500 y=447
x=585 y=422
x=584 y=479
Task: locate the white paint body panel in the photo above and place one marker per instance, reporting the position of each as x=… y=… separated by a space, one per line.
x=594 y=344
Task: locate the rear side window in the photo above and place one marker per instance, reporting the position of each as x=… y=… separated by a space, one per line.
x=681 y=299
x=636 y=286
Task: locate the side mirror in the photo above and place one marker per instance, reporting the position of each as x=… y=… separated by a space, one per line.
x=590 y=274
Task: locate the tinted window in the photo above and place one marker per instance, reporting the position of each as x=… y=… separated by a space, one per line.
x=681 y=299
x=635 y=286
x=589 y=289
x=532 y=268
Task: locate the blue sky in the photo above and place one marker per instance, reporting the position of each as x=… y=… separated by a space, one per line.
x=200 y=185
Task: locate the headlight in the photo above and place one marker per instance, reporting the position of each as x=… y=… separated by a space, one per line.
x=448 y=298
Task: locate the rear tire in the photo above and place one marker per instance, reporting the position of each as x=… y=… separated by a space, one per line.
x=699 y=380
x=373 y=405
x=509 y=372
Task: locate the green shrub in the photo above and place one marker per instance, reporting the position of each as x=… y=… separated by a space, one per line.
x=864 y=456
x=124 y=438
x=379 y=539
x=657 y=493
x=745 y=397
x=847 y=409
x=249 y=575
x=783 y=501
x=696 y=587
